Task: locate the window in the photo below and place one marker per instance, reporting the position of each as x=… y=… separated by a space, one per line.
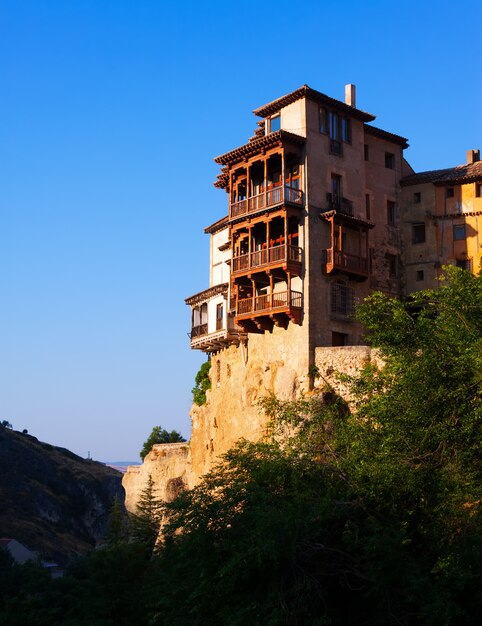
x=392 y=265
x=367 y=205
x=390 y=212
x=274 y=123
x=418 y=233
x=342 y=300
x=450 y=192
x=334 y=131
x=339 y=339
x=346 y=129
x=417 y=197
x=389 y=160
x=323 y=121
x=459 y=232
x=366 y=152
x=419 y=275
x=465 y=264
x=478 y=190
x=336 y=190
x=219 y=317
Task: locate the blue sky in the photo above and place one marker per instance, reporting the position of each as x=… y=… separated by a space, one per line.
x=110 y=115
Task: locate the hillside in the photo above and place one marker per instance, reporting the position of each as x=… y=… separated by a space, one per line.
x=53 y=501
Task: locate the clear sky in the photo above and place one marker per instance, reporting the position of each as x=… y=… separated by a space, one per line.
x=111 y=112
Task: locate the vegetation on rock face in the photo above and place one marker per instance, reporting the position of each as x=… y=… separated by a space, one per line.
x=160 y=435
x=362 y=515
x=146 y=522
x=203 y=383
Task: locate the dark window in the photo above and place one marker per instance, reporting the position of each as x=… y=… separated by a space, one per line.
x=459 y=232
x=392 y=265
x=219 y=317
x=274 y=123
x=417 y=197
x=419 y=275
x=418 y=233
x=335 y=133
x=390 y=212
x=323 y=121
x=336 y=190
x=342 y=299
x=389 y=160
x=450 y=192
x=478 y=190
x=346 y=129
x=366 y=152
x=367 y=205
x=465 y=264
x=339 y=339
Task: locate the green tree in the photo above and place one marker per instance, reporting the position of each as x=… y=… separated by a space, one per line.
x=160 y=435
x=146 y=522
x=369 y=515
x=203 y=384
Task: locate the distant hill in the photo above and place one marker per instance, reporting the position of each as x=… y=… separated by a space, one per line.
x=52 y=500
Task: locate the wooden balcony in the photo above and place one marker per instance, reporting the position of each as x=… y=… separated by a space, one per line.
x=286 y=256
x=212 y=342
x=339 y=261
x=272 y=306
x=269 y=198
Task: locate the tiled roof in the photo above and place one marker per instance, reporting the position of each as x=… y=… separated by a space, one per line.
x=467 y=173
x=219 y=225
x=253 y=147
x=202 y=296
x=383 y=134
x=317 y=96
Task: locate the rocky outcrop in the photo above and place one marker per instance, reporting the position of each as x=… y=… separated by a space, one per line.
x=170 y=467
x=52 y=500
x=240 y=377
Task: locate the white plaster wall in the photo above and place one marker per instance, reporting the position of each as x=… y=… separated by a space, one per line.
x=293 y=118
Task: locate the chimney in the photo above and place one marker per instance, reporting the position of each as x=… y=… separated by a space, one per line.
x=350 y=95
x=473 y=156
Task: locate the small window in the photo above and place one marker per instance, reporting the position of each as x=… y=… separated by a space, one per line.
x=465 y=264
x=346 y=129
x=419 y=276
x=339 y=339
x=392 y=265
x=478 y=190
x=417 y=197
x=418 y=233
x=219 y=317
x=389 y=160
x=366 y=152
x=450 y=192
x=274 y=123
x=390 y=212
x=342 y=300
x=323 y=121
x=367 y=205
x=459 y=232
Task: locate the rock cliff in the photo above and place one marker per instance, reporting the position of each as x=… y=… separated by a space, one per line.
x=53 y=501
x=240 y=377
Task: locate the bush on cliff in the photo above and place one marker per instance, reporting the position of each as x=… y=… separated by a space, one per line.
x=160 y=435
x=363 y=517
x=203 y=384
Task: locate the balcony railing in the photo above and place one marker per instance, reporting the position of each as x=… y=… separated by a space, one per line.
x=269 y=198
x=336 y=259
x=197 y=331
x=268 y=256
x=267 y=303
x=342 y=205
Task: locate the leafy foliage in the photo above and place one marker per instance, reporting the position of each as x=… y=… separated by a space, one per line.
x=160 y=435
x=203 y=384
